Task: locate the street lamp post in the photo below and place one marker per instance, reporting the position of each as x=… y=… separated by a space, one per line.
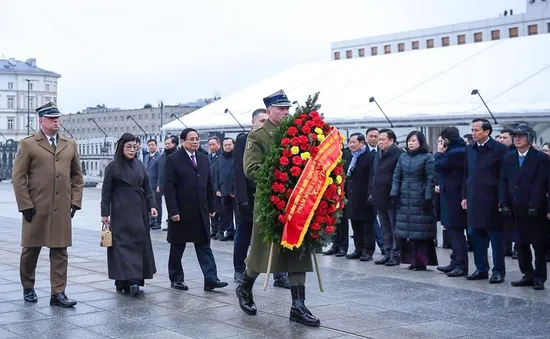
x=181 y=122
x=372 y=99
x=476 y=91
x=138 y=125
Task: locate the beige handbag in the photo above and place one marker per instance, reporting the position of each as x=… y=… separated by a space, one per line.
x=106 y=237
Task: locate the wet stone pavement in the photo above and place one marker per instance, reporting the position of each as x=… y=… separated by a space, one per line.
x=361 y=300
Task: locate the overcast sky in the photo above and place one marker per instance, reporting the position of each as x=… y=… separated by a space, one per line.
x=125 y=53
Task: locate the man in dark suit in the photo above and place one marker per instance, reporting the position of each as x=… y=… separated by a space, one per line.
x=245 y=190
x=482 y=166
x=151 y=162
x=189 y=201
x=379 y=195
x=506 y=138
x=170 y=146
x=522 y=195
x=358 y=209
x=216 y=151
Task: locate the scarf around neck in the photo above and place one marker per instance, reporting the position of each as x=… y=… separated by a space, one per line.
x=354 y=156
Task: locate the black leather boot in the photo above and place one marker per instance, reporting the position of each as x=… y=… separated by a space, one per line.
x=299 y=312
x=244 y=293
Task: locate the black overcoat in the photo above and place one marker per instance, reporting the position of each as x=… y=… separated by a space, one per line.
x=481 y=180
x=450 y=169
x=126 y=197
x=525 y=187
x=356 y=188
x=188 y=193
x=382 y=176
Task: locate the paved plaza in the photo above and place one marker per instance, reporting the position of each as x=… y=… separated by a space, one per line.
x=361 y=300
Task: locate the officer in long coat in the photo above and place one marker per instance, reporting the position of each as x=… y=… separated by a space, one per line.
x=258 y=142
x=47 y=180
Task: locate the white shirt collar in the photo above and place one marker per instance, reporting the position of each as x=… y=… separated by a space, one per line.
x=190 y=153
x=523 y=154
x=372 y=148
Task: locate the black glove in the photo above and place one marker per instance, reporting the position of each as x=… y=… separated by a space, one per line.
x=428 y=206
x=28 y=214
x=73 y=210
x=532 y=212
x=505 y=210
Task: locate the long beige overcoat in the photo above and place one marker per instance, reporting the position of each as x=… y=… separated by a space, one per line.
x=257 y=145
x=50 y=182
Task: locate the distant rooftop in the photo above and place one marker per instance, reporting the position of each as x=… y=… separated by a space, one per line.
x=12 y=66
x=200 y=102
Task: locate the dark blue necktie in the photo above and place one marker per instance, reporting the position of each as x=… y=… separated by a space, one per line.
x=521 y=160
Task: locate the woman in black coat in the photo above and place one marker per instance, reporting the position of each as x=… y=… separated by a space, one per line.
x=126 y=201
x=449 y=165
x=412 y=191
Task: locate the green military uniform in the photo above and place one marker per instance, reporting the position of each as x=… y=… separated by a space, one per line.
x=257 y=145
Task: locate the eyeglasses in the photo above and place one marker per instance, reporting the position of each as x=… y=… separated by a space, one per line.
x=193 y=139
x=130 y=147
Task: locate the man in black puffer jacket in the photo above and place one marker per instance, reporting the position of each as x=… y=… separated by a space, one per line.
x=379 y=194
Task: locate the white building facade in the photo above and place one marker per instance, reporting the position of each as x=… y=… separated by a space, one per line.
x=535 y=21
x=23 y=88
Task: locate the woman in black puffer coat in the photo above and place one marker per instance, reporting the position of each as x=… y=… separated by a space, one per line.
x=412 y=192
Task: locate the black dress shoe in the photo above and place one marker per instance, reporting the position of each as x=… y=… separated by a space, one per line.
x=366 y=257
x=445 y=269
x=155 y=227
x=538 y=285
x=215 y=236
x=394 y=261
x=29 y=295
x=282 y=282
x=229 y=237
x=496 y=278
x=477 y=275
x=61 y=300
x=524 y=281
x=341 y=253
x=419 y=268
x=210 y=285
x=457 y=272
x=382 y=261
x=298 y=311
x=515 y=255
x=354 y=255
x=331 y=251
x=179 y=285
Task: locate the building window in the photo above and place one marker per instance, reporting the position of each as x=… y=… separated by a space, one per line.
x=461 y=39
x=513 y=32
x=31 y=103
x=445 y=41
x=415 y=45
x=533 y=29
x=55 y=87
x=10 y=85
x=478 y=37
x=349 y=54
x=47 y=99
x=495 y=35
x=336 y=55
x=430 y=43
x=374 y=51
x=548 y=27
x=31 y=86
x=401 y=47
x=361 y=52
x=10 y=123
x=153 y=116
x=55 y=100
x=31 y=122
x=47 y=87
x=11 y=101
x=387 y=49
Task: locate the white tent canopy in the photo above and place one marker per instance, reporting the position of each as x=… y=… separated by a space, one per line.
x=512 y=75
